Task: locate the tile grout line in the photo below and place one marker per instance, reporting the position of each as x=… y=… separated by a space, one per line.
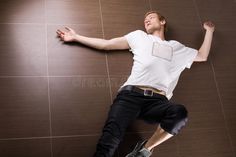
x=46 y=137
x=85 y=135
x=54 y=76
x=177 y=141
x=48 y=78
x=24 y=138
x=63 y=136
x=109 y=79
x=217 y=88
x=222 y=108
x=150 y=6
x=49 y=24
x=107 y=65
x=19 y=23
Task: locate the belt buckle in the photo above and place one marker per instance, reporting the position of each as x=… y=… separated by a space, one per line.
x=148 y=92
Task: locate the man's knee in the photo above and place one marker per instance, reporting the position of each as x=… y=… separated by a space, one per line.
x=181 y=112
x=175 y=119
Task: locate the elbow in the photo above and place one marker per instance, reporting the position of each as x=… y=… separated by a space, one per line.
x=201 y=57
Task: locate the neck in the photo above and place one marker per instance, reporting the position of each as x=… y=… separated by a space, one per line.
x=159 y=33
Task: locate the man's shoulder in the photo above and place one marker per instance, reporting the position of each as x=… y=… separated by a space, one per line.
x=174 y=42
x=138 y=32
x=176 y=45
x=137 y=35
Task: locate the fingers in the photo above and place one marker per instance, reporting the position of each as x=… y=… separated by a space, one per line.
x=68 y=28
x=61 y=34
x=209 y=23
x=65 y=35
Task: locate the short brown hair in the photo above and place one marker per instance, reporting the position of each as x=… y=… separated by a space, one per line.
x=160 y=16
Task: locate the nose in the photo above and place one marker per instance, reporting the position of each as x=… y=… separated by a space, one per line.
x=146 y=21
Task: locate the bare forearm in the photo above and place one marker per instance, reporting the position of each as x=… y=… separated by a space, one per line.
x=70 y=35
x=206 y=45
x=96 y=43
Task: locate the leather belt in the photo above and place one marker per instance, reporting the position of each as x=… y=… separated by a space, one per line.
x=146 y=92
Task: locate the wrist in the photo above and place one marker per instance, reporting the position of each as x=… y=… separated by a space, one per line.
x=210 y=30
x=76 y=37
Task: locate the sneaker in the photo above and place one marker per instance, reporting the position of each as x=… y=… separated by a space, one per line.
x=140 y=151
x=144 y=152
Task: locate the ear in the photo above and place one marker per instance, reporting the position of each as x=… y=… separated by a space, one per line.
x=163 y=22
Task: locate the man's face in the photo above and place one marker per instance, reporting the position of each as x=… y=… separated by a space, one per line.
x=152 y=23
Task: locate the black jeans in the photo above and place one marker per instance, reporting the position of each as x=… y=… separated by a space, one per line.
x=127 y=107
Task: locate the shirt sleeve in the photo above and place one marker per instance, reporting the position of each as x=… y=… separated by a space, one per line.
x=191 y=55
x=184 y=55
x=133 y=39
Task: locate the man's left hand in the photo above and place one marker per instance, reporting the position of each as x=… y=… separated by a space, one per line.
x=209 y=26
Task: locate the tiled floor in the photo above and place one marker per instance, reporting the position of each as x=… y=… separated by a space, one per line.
x=54 y=97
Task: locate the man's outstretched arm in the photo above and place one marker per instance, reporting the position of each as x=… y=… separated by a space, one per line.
x=102 y=44
x=204 y=50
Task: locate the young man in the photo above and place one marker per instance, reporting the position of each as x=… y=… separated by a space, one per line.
x=157 y=66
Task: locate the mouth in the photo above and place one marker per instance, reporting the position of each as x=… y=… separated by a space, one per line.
x=148 y=24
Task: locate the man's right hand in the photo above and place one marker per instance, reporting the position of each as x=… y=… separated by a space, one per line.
x=68 y=36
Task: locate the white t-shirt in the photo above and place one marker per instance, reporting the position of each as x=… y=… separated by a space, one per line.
x=157 y=63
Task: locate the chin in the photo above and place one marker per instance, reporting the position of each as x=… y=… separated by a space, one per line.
x=149 y=31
